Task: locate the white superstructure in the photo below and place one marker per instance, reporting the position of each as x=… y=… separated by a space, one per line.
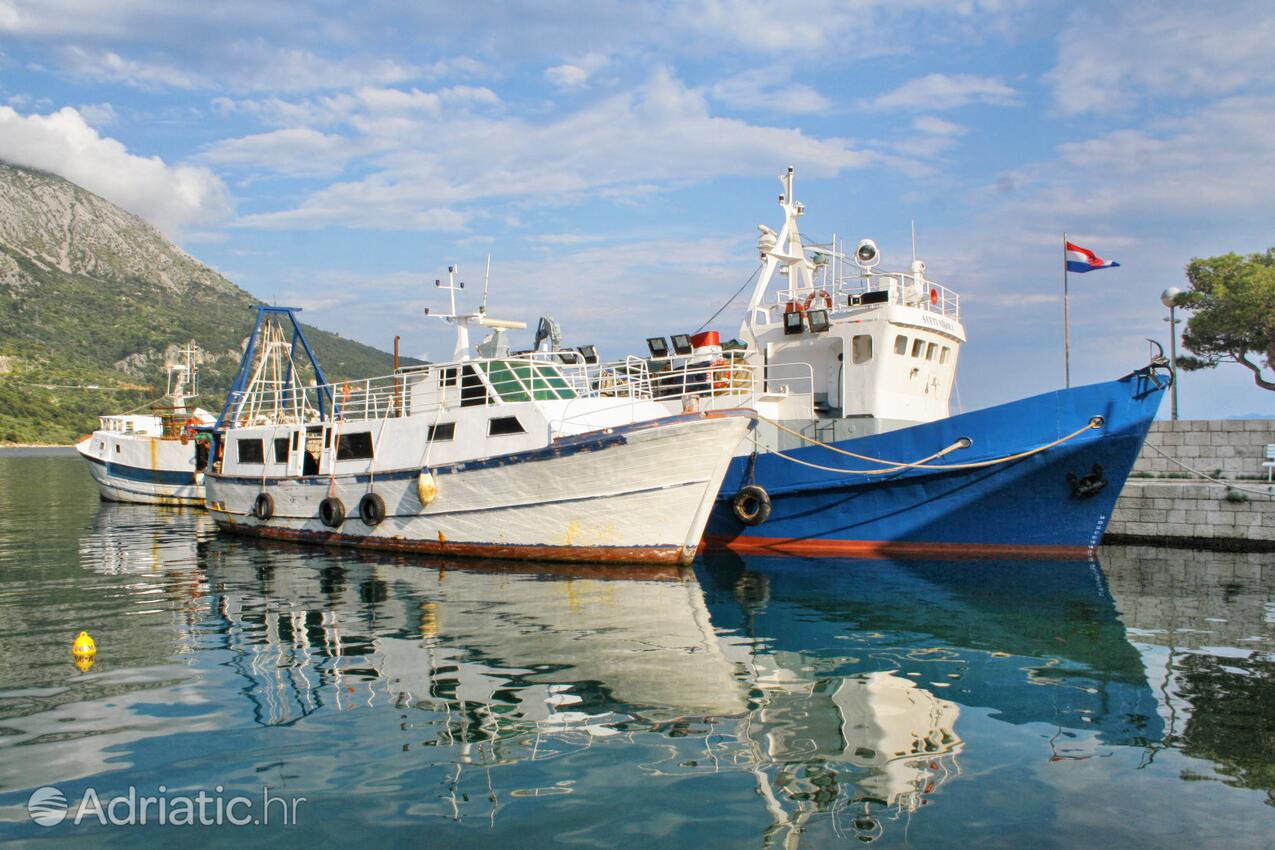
x=832 y=345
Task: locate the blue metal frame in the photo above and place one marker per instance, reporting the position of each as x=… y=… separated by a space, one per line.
x=240 y=383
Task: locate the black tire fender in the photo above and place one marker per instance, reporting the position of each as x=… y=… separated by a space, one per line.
x=263 y=507
x=332 y=512
x=751 y=505
x=371 y=509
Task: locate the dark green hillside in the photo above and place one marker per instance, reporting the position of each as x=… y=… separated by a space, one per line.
x=90 y=299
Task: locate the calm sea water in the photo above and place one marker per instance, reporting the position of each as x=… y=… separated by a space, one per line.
x=748 y=703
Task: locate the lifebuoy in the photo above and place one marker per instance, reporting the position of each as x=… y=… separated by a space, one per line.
x=818 y=293
x=934 y=296
x=332 y=512
x=720 y=371
x=263 y=507
x=371 y=509
x=751 y=505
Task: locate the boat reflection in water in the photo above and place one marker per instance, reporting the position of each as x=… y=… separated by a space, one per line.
x=838 y=687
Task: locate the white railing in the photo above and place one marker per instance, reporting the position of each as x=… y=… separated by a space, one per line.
x=531 y=376
x=675 y=378
x=904 y=289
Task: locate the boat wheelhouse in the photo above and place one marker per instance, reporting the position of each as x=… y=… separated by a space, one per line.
x=498 y=455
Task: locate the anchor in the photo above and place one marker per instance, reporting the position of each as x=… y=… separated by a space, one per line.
x=1090 y=485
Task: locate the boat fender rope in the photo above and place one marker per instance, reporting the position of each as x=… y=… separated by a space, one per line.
x=263 y=507
x=331 y=512
x=371 y=509
x=751 y=505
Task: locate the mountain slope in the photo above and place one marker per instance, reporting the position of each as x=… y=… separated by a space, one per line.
x=92 y=298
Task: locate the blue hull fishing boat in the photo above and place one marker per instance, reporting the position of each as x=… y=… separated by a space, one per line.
x=851 y=369
x=1010 y=496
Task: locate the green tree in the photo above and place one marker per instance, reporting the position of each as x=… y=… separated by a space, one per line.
x=1232 y=302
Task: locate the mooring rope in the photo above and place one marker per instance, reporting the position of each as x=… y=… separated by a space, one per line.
x=923 y=463
x=1210 y=477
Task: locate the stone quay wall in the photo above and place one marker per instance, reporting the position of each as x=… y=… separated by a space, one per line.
x=1192 y=511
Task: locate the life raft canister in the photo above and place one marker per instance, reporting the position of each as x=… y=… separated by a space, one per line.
x=332 y=512
x=751 y=505
x=263 y=507
x=371 y=509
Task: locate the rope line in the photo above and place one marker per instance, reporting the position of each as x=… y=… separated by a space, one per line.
x=896 y=466
x=751 y=277
x=1209 y=477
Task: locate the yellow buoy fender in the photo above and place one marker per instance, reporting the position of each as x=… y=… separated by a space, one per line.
x=426 y=488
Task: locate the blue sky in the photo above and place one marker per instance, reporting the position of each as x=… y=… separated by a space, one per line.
x=615 y=158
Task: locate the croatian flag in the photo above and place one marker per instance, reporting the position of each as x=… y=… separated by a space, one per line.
x=1083 y=260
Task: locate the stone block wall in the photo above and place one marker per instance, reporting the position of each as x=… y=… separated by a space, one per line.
x=1235 y=447
x=1168 y=511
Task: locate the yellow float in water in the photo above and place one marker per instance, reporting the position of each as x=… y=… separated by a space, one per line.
x=83 y=646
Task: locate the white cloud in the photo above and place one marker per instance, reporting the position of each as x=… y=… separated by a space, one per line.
x=576 y=74
x=768 y=90
x=931 y=137
x=937 y=126
x=98 y=114
x=660 y=133
x=943 y=91
x=294 y=152
x=241 y=65
x=170 y=197
x=1176 y=49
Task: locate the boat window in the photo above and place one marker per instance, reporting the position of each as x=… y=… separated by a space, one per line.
x=250 y=451
x=356 y=446
x=861 y=348
x=447 y=376
x=918 y=346
x=943 y=354
x=930 y=351
x=280 y=449
x=523 y=381
x=504 y=425
x=117 y=448
x=473 y=392
x=900 y=344
x=442 y=431
x=296 y=440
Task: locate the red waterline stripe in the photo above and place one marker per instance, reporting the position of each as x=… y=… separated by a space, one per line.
x=894 y=548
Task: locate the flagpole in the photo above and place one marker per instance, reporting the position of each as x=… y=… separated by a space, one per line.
x=1066 y=319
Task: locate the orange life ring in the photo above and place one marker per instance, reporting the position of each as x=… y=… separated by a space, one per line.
x=934 y=296
x=794 y=307
x=810 y=299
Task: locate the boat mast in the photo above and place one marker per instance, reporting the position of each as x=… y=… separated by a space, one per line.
x=782 y=249
x=462 y=322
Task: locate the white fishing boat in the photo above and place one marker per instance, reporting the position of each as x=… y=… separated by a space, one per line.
x=154 y=457
x=494 y=455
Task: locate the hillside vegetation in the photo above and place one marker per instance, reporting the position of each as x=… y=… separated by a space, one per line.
x=91 y=300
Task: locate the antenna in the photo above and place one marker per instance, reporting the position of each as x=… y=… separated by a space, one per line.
x=486 y=281
x=914 y=240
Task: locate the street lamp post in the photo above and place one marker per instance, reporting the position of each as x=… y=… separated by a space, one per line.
x=1169 y=298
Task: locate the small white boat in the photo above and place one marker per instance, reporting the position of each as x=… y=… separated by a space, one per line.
x=155 y=457
x=500 y=455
